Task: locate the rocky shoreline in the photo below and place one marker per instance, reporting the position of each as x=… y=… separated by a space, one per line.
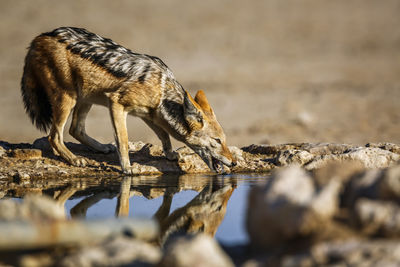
x=36 y=160
x=323 y=205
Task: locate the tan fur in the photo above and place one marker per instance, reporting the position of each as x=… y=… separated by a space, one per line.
x=201 y=99
x=72 y=84
x=209 y=115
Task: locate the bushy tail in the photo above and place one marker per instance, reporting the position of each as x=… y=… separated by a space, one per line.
x=36 y=101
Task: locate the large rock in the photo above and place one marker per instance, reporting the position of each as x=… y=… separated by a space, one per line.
x=317 y=155
x=371 y=158
x=378 y=218
x=33 y=207
x=373 y=184
x=196 y=250
x=357 y=253
x=121 y=251
x=288 y=206
x=299 y=211
x=389 y=186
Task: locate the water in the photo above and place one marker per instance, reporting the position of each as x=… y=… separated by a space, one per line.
x=190 y=203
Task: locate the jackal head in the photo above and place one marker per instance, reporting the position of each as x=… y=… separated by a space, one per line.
x=206 y=136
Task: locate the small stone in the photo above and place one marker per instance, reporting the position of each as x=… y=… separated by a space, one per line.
x=3 y=152
x=62 y=172
x=135 y=146
x=26 y=153
x=22 y=175
x=305 y=119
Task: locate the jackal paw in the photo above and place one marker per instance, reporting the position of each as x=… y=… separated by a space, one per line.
x=79 y=162
x=171 y=155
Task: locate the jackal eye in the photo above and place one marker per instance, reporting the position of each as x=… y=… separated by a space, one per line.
x=218 y=140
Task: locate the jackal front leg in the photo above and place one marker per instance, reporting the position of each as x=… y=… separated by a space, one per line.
x=118 y=117
x=165 y=140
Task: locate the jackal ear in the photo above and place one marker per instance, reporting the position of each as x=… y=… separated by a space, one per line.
x=192 y=113
x=201 y=99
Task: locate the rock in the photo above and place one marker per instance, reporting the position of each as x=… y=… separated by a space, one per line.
x=20 y=175
x=363 y=185
x=237 y=154
x=269 y=149
x=315 y=156
x=389 y=186
x=144 y=169
x=378 y=218
x=299 y=211
x=326 y=201
x=26 y=153
x=356 y=253
x=148 y=159
x=294 y=156
x=340 y=171
x=119 y=251
x=289 y=206
x=374 y=184
x=190 y=162
x=43 y=208
x=33 y=207
x=3 y=152
x=136 y=146
x=319 y=149
x=305 y=119
x=371 y=158
x=196 y=250
x=386 y=146
x=353 y=252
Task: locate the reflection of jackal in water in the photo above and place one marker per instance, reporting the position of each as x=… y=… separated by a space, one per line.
x=72 y=69
x=202 y=214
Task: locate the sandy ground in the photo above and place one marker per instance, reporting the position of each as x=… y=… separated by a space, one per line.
x=274 y=71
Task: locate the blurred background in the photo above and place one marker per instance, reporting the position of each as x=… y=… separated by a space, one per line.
x=274 y=71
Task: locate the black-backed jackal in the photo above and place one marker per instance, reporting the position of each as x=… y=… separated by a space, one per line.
x=72 y=69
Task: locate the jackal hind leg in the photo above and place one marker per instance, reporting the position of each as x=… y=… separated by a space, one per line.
x=165 y=140
x=118 y=117
x=78 y=131
x=56 y=139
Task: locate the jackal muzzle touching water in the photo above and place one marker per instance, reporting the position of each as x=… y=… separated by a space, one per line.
x=70 y=69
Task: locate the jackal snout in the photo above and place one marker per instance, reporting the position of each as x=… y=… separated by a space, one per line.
x=206 y=138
